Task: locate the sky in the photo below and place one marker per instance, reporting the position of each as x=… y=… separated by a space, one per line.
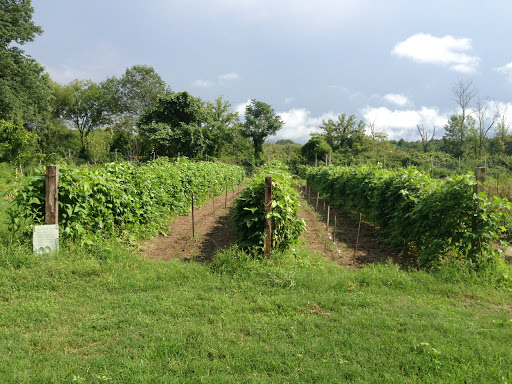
x=391 y=63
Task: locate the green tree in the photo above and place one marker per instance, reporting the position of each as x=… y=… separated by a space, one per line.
x=346 y=134
x=17 y=144
x=220 y=127
x=315 y=149
x=174 y=125
x=86 y=109
x=260 y=122
x=24 y=88
x=459 y=135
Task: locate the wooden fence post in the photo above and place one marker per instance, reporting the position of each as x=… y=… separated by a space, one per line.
x=268 y=220
x=52 y=195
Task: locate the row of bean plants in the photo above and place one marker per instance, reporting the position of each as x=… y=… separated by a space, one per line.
x=249 y=217
x=122 y=198
x=431 y=218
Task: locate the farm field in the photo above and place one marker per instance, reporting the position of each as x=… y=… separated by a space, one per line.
x=103 y=313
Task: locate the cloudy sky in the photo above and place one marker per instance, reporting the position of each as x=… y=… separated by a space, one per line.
x=392 y=63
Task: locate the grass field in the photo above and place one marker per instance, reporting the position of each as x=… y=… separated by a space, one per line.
x=104 y=315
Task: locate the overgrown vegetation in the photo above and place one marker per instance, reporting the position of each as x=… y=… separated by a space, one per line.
x=249 y=217
x=122 y=198
x=432 y=217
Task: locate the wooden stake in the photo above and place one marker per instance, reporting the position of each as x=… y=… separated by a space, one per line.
x=268 y=220
x=317 y=197
x=52 y=195
x=328 y=213
x=358 y=232
x=193 y=224
x=213 y=200
x=334 y=232
x=226 y=198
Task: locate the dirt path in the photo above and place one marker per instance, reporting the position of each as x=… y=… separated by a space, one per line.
x=340 y=246
x=214 y=231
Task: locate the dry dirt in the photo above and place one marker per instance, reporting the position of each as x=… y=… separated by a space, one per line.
x=214 y=231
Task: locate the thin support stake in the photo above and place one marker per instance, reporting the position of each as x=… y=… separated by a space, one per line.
x=328 y=213
x=213 y=200
x=358 y=232
x=317 y=197
x=334 y=232
x=193 y=224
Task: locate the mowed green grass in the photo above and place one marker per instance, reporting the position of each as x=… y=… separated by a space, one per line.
x=104 y=315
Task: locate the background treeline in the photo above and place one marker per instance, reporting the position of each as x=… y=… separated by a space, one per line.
x=137 y=116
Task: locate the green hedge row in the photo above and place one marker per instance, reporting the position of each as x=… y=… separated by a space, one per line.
x=432 y=218
x=122 y=198
x=249 y=217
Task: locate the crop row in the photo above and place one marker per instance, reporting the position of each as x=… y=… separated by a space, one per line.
x=431 y=218
x=249 y=217
x=122 y=197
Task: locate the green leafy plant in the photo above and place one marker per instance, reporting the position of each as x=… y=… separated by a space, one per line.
x=122 y=198
x=249 y=215
x=429 y=218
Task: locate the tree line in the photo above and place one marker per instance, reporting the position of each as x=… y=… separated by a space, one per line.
x=137 y=116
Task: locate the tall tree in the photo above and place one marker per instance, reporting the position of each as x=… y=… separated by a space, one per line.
x=459 y=126
x=426 y=136
x=458 y=136
x=484 y=121
x=260 y=122
x=345 y=134
x=174 y=125
x=86 y=108
x=24 y=88
x=220 y=126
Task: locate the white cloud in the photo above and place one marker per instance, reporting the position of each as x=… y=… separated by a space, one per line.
x=398 y=124
x=446 y=51
x=397 y=99
x=228 y=77
x=240 y=108
x=506 y=70
x=203 y=83
x=221 y=79
x=299 y=124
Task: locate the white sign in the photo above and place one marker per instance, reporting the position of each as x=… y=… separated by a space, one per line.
x=46 y=238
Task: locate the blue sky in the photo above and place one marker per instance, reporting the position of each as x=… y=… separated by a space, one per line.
x=390 y=62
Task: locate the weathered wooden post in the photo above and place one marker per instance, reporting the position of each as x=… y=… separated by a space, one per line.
x=328 y=214
x=52 y=195
x=268 y=220
x=317 y=197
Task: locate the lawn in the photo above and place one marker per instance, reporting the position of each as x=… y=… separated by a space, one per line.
x=102 y=314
